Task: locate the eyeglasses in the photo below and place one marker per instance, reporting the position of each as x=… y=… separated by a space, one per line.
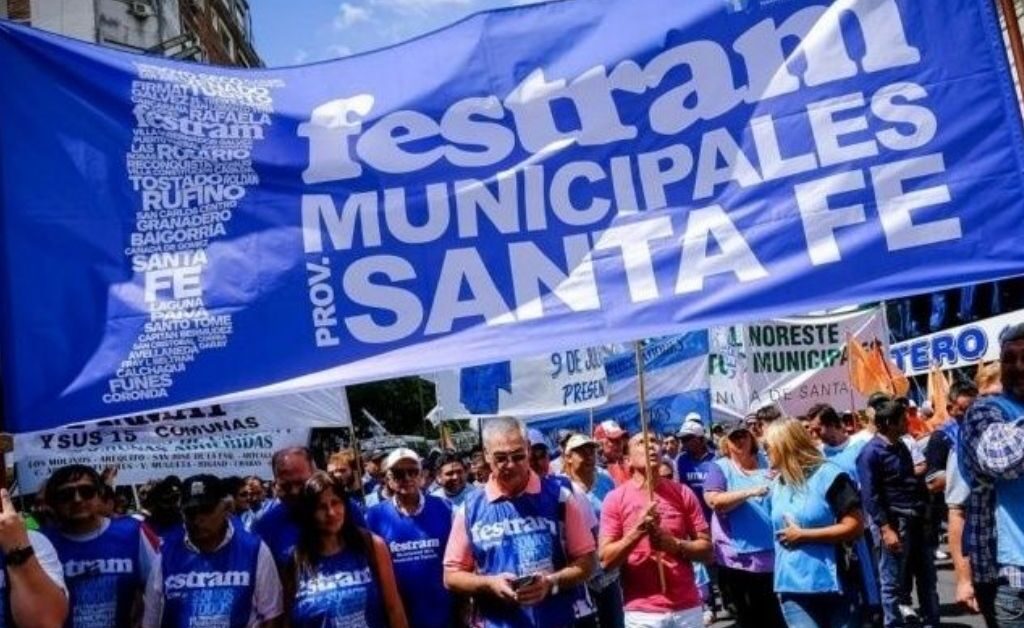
x=516 y=457
x=402 y=474
x=84 y=491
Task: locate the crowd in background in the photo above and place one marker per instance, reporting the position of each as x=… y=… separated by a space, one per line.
x=826 y=520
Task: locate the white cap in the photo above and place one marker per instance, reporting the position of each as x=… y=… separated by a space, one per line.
x=402 y=453
x=692 y=428
x=579 y=440
x=695 y=417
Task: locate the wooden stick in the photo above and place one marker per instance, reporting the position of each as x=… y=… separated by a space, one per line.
x=1016 y=44
x=849 y=371
x=359 y=459
x=649 y=475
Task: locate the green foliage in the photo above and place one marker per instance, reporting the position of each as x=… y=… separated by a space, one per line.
x=399 y=404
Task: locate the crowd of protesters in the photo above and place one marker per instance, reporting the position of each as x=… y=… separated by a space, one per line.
x=822 y=520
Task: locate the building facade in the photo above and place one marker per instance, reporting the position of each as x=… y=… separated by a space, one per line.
x=208 y=31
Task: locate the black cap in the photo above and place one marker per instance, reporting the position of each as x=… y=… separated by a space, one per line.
x=378 y=454
x=201 y=491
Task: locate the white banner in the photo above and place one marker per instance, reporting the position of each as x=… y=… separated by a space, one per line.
x=562 y=381
x=956 y=347
x=228 y=439
x=793 y=362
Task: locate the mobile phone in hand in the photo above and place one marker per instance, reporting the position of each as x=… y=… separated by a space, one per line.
x=523 y=581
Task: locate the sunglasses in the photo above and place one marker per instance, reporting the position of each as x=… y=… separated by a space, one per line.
x=517 y=457
x=402 y=474
x=67 y=493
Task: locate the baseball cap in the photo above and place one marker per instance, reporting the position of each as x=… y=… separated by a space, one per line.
x=731 y=427
x=202 y=491
x=693 y=416
x=608 y=430
x=378 y=454
x=402 y=453
x=692 y=428
x=579 y=440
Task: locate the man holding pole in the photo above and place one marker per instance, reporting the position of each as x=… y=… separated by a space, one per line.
x=647 y=529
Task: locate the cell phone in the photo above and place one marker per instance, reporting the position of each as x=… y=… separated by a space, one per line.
x=523 y=581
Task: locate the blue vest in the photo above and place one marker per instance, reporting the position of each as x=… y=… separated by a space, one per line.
x=5 y=596
x=103 y=575
x=807 y=567
x=846 y=457
x=213 y=587
x=280 y=532
x=1010 y=500
x=749 y=525
x=417 y=545
x=523 y=535
x=340 y=591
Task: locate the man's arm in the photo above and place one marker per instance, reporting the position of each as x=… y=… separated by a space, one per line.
x=36 y=586
x=1000 y=451
x=615 y=549
x=460 y=568
x=872 y=495
x=267 y=596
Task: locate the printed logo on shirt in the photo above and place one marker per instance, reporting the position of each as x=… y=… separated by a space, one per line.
x=323 y=583
x=75 y=568
x=203 y=579
x=484 y=533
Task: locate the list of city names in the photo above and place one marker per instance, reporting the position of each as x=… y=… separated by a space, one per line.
x=190 y=164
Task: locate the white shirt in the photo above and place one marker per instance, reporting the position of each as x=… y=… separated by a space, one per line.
x=267 y=596
x=47 y=557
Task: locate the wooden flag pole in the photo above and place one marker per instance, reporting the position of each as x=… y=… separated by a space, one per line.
x=648 y=473
x=849 y=371
x=1013 y=31
x=359 y=459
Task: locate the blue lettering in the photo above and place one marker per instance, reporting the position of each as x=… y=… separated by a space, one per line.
x=972 y=344
x=944 y=349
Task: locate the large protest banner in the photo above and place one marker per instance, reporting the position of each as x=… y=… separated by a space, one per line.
x=543 y=177
x=675 y=381
x=561 y=381
x=231 y=439
x=966 y=345
x=791 y=362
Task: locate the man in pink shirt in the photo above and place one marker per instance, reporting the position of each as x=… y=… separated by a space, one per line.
x=637 y=535
x=506 y=547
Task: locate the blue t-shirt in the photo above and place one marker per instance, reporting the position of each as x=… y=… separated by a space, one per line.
x=279 y=530
x=417 y=545
x=458 y=498
x=103 y=574
x=340 y=591
x=692 y=473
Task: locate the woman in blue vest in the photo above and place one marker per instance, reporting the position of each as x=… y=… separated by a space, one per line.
x=341 y=575
x=816 y=513
x=736 y=489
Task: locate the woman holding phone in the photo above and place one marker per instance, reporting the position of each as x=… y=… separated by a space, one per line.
x=341 y=574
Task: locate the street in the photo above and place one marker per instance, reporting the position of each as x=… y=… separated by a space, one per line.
x=953 y=616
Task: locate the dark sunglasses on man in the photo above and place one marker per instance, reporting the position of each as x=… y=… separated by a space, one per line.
x=401 y=474
x=84 y=491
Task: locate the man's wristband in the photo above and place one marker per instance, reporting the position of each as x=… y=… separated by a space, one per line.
x=19 y=556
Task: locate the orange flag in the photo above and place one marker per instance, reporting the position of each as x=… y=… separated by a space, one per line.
x=899 y=385
x=938 y=394
x=867 y=374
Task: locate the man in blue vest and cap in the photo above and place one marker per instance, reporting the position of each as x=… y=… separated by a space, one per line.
x=212 y=573
x=521 y=546
x=992 y=445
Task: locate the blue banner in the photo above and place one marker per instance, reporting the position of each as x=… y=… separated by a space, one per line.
x=527 y=180
x=676 y=383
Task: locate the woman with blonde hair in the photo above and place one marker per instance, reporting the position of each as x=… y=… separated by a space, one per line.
x=815 y=510
x=988 y=379
x=736 y=489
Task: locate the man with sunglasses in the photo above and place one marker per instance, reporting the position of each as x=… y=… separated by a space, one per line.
x=215 y=574
x=522 y=546
x=416 y=528
x=106 y=561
